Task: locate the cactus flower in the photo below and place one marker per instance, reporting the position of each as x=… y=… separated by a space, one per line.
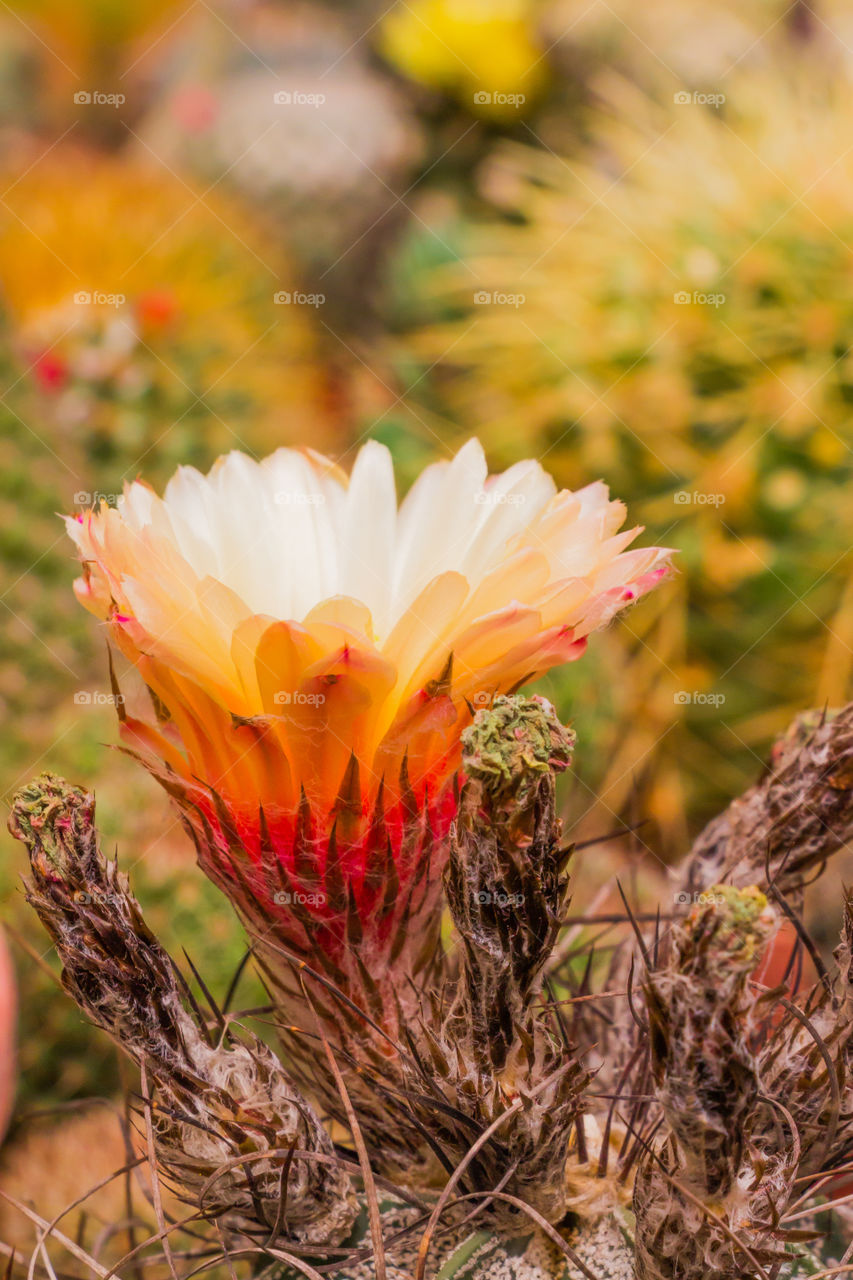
x=315 y=653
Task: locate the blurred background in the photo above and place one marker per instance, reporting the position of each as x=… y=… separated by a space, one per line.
x=617 y=238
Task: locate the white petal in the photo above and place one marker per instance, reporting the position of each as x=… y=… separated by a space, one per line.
x=439 y=527
x=369 y=533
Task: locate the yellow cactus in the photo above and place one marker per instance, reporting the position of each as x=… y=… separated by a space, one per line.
x=671 y=310
x=110 y=274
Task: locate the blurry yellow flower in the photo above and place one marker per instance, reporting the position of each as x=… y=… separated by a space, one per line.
x=486 y=52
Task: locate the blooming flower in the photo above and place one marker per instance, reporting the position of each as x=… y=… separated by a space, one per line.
x=315 y=653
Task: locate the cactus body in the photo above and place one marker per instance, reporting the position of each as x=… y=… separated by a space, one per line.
x=717 y=1109
x=605 y=1247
